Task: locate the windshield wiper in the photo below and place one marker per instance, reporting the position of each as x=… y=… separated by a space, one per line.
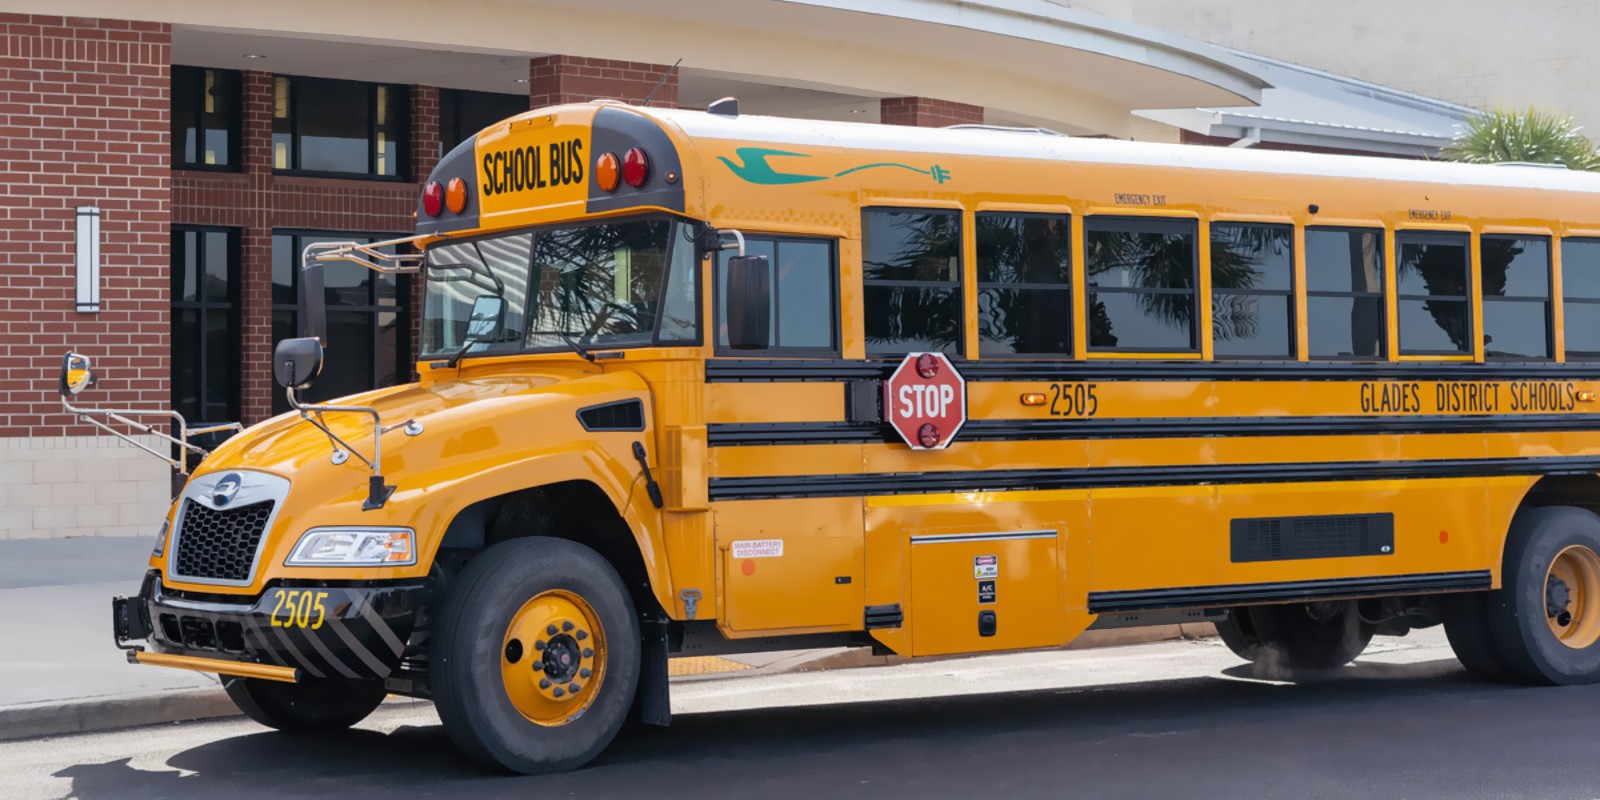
x=455 y=358
x=570 y=342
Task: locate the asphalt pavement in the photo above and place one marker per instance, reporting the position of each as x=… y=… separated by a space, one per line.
x=1179 y=720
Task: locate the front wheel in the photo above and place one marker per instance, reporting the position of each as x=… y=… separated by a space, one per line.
x=314 y=705
x=536 y=656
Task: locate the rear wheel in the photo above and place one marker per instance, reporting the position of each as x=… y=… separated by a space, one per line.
x=536 y=656
x=1307 y=637
x=314 y=705
x=1544 y=621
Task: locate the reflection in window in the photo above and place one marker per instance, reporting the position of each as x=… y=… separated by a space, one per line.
x=458 y=274
x=1252 y=286
x=205 y=118
x=1580 y=298
x=1517 y=320
x=1141 y=283
x=1431 y=293
x=369 y=335
x=805 y=313
x=463 y=113
x=1344 y=293
x=1024 y=284
x=205 y=324
x=333 y=126
x=911 y=262
x=600 y=284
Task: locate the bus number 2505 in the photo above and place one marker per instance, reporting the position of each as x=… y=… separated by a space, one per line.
x=1073 y=400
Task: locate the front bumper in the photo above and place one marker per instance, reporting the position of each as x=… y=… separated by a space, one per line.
x=356 y=632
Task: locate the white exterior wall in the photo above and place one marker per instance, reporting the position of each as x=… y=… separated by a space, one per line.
x=52 y=487
x=1482 y=53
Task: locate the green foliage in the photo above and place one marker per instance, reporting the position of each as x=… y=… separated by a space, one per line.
x=1531 y=136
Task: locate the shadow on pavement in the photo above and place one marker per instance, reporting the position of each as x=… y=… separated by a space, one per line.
x=1127 y=740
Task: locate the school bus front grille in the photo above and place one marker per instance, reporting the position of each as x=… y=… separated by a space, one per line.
x=220 y=544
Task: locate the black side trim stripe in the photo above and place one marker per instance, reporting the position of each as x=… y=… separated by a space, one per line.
x=766 y=488
x=1241 y=594
x=735 y=370
x=995 y=430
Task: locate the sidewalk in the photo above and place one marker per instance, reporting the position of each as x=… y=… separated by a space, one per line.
x=60 y=672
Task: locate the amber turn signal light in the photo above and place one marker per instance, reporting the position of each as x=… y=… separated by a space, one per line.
x=455 y=196
x=607 y=171
x=1033 y=399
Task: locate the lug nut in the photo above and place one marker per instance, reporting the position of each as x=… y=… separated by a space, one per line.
x=544 y=683
x=551 y=629
x=588 y=652
x=573 y=688
x=558 y=692
x=581 y=634
x=538 y=644
x=566 y=625
x=538 y=666
x=585 y=672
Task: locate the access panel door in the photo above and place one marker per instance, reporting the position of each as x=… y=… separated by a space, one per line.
x=985 y=591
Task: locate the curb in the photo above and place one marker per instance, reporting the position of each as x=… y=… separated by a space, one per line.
x=92 y=715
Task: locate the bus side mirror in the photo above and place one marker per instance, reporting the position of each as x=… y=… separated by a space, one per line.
x=76 y=374
x=487 y=319
x=296 y=362
x=749 y=303
x=314 y=320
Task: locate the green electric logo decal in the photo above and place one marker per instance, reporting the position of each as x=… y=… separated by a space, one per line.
x=753 y=167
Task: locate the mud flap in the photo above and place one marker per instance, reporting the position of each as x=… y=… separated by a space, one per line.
x=652 y=705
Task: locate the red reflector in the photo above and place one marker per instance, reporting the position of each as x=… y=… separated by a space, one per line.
x=928 y=434
x=927 y=365
x=432 y=198
x=635 y=167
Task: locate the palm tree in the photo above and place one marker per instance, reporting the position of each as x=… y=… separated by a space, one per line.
x=1531 y=136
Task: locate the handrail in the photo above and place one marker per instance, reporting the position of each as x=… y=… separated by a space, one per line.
x=377 y=491
x=121 y=415
x=366 y=255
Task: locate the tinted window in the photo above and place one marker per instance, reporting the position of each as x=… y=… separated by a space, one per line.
x=1344 y=293
x=600 y=284
x=1024 y=284
x=1141 y=283
x=463 y=113
x=1435 y=317
x=205 y=118
x=205 y=324
x=911 y=262
x=334 y=126
x=1517 y=320
x=1580 y=289
x=805 y=312
x=1252 y=283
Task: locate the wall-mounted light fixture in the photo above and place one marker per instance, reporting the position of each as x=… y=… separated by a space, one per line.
x=89 y=259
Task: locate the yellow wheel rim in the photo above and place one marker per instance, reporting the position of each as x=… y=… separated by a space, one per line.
x=1572 y=597
x=553 y=659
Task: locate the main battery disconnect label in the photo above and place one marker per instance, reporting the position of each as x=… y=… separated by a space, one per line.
x=758 y=548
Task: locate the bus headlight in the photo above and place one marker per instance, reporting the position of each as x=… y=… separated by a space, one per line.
x=161 y=540
x=354 y=547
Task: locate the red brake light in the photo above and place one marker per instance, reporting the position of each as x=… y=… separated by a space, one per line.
x=432 y=198
x=635 y=167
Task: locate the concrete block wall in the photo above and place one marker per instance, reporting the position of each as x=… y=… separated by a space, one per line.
x=55 y=486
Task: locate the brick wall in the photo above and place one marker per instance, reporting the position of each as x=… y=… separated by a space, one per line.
x=926 y=112
x=554 y=80
x=83 y=121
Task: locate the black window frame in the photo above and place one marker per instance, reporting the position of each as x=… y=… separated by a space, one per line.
x=961 y=348
x=1421 y=236
x=406 y=358
x=1567 y=299
x=1288 y=294
x=835 y=328
x=451 y=132
x=402 y=100
x=1152 y=224
x=197 y=75
x=1382 y=295
x=1548 y=300
x=1064 y=288
x=231 y=307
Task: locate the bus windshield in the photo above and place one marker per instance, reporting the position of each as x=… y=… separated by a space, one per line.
x=620 y=284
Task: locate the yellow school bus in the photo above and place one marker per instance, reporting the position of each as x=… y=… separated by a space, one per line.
x=703 y=382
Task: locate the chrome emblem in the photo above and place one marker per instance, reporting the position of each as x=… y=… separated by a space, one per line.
x=224 y=490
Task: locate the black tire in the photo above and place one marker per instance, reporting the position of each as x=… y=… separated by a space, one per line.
x=1308 y=637
x=469 y=691
x=1238 y=632
x=1468 y=631
x=1516 y=613
x=314 y=705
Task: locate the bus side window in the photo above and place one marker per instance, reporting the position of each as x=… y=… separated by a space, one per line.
x=1252 y=288
x=805 y=296
x=1344 y=294
x=1142 y=276
x=1024 y=284
x=1517 y=323
x=1580 y=298
x=911 y=276
x=1433 y=298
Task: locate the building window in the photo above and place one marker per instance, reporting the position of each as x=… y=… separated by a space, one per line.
x=463 y=113
x=205 y=324
x=1517 y=320
x=1024 y=284
x=1345 y=316
x=1431 y=290
x=1252 y=290
x=1580 y=298
x=911 y=263
x=332 y=127
x=205 y=118
x=1141 y=283
x=803 y=275
x=369 y=329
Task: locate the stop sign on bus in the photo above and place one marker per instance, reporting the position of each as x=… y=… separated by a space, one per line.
x=925 y=401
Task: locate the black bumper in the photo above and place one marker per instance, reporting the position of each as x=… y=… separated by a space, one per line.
x=350 y=632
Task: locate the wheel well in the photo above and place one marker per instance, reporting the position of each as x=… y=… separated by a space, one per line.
x=578 y=511
x=1582 y=491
